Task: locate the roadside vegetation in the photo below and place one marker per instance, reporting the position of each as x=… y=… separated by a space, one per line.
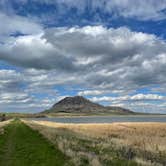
x=2 y=124
x=22 y=146
x=123 y=144
x=20 y=115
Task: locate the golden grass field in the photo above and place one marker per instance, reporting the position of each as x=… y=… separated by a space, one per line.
x=100 y=144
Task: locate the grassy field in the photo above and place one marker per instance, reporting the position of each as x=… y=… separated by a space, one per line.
x=44 y=143
x=108 y=144
x=22 y=146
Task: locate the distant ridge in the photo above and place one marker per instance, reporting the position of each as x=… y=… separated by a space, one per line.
x=119 y=109
x=79 y=104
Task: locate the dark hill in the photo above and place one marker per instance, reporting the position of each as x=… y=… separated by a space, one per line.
x=79 y=104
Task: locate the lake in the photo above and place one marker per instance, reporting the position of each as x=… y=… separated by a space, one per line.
x=105 y=119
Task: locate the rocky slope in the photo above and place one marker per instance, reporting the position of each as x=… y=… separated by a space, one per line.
x=79 y=104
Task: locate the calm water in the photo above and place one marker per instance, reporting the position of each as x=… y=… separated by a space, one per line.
x=106 y=119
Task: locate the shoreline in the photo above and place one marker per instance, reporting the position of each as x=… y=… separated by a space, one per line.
x=57 y=124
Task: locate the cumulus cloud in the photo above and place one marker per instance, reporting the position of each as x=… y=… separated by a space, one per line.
x=14 y=97
x=116 y=54
x=23 y=102
x=34 y=52
x=19 y=91
x=14 y=24
x=139 y=102
x=10 y=81
x=103 y=60
x=109 y=63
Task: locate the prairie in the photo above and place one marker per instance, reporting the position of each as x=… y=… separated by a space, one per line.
x=108 y=144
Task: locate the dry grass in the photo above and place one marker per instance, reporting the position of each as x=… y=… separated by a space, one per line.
x=2 y=124
x=143 y=135
x=143 y=142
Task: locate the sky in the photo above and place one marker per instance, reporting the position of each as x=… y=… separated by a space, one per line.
x=112 y=52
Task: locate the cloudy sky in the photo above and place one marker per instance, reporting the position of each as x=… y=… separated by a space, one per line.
x=110 y=51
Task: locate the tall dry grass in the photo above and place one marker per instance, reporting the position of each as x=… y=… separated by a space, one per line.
x=149 y=136
x=143 y=142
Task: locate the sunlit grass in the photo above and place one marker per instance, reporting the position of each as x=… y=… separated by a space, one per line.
x=23 y=146
x=127 y=143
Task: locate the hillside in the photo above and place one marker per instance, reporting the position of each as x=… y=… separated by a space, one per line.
x=119 y=110
x=79 y=104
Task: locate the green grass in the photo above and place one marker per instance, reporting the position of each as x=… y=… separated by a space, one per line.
x=85 y=149
x=22 y=146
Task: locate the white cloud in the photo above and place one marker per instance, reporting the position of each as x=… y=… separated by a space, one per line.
x=91 y=92
x=115 y=59
x=139 y=102
x=17 y=24
x=129 y=98
x=14 y=97
x=104 y=61
x=147 y=97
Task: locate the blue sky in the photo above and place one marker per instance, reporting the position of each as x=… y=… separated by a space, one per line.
x=110 y=51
